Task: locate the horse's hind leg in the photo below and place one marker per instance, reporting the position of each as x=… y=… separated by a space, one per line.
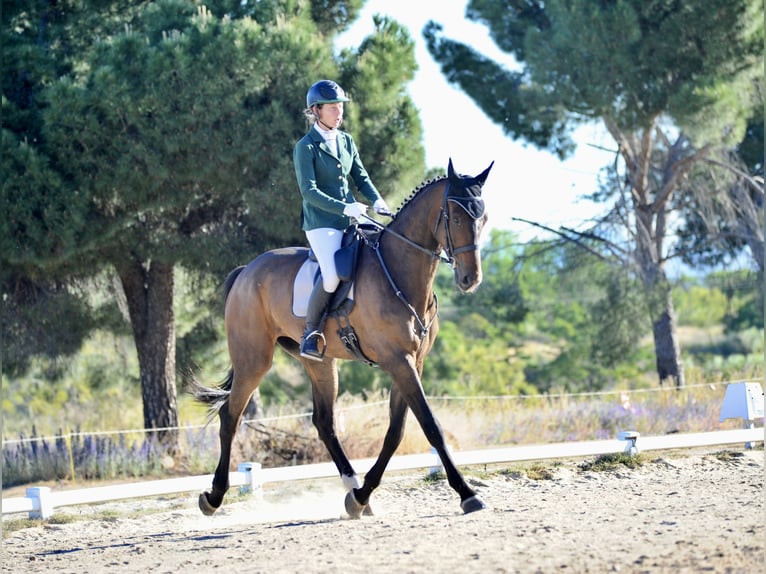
x=242 y=387
x=209 y=502
x=358 y=498
x=324 y=387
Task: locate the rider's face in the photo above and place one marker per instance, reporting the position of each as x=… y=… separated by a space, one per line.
x=331 y=115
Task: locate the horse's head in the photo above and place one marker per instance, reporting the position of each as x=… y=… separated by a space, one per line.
x=463 y=215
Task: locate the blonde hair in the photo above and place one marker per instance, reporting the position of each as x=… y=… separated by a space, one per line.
x=310 y=117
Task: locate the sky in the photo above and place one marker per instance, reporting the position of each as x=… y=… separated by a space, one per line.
x=524 y=182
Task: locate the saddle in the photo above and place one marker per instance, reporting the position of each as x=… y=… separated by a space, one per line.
x=342 y=302
x=345 y=264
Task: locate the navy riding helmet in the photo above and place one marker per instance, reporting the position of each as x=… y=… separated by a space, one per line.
x=325 y=92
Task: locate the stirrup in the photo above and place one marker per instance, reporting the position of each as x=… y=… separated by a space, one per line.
x=310 y=346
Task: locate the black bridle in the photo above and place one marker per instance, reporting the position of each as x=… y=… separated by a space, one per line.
x=471 y=203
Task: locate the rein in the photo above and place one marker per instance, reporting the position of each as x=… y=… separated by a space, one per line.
x=473 y=206
x=407 y=240
x=401 y=296
x=375 y=246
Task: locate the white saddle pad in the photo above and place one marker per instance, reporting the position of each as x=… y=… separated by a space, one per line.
x=304 y=283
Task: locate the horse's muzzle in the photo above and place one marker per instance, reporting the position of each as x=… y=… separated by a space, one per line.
x=468 y=282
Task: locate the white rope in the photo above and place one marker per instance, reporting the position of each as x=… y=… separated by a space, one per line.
x=575 y=395
x=369 y=405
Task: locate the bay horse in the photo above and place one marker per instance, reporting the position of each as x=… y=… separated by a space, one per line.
x=394 y=317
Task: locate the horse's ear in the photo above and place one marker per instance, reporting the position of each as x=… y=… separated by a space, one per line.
x=450 y=170
x=482 y=177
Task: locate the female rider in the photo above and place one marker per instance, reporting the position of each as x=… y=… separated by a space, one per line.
x=324 y=159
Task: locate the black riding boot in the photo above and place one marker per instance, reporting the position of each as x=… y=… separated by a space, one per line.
x=317 y=304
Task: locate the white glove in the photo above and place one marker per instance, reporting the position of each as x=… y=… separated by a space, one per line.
x=381 y=207
x=355 y=210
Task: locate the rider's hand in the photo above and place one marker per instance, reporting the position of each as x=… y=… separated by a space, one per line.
x=381 y=207
x=355 y=210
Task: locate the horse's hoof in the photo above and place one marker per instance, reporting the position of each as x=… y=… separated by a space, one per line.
x=353 y=507
x=205 y=506
x=472 y=504
x=368 y=511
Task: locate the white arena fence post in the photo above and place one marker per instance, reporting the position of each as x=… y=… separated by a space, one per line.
x=253 y=479
x=630 y=438
x=42 y=501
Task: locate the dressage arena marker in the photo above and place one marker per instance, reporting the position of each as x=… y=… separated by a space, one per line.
x=745 y=401
x=41 y=501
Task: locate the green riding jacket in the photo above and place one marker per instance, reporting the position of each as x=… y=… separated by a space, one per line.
x=323 y=180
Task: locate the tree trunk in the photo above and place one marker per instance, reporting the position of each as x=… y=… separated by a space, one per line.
x=651 y=185
x=148 y=290
x=748 y=203
x=666 y=347
x=659 y=297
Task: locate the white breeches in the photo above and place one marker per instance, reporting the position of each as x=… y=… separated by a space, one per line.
x=325 y=241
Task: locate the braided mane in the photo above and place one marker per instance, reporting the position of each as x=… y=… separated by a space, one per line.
x=409 y=199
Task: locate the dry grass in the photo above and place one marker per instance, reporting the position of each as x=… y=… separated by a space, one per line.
x=289 y=438
x=475 y=423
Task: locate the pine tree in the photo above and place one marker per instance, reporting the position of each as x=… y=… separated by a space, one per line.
x=165 y=139
x=669 y=81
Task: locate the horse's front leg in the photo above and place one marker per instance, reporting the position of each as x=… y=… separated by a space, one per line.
x=407 y=379
x=358 y=499
x=469 y=500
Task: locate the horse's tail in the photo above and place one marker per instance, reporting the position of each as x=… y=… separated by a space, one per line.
x=215 y=397
x=229 y=283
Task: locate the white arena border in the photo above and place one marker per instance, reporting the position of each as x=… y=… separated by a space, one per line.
x=40 y=502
